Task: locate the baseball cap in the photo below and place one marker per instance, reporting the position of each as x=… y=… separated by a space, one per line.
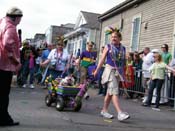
x=163 y=46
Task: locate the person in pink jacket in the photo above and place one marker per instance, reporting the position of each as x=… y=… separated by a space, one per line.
x=9 y=60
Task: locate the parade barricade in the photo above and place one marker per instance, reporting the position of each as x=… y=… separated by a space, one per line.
x=167 y=91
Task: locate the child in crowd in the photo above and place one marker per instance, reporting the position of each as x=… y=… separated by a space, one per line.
x=157 y=79
x=32 y=69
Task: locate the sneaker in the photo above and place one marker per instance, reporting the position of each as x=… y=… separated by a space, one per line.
x=106 y=115
x=123 y=116
x=86 y=96
x=144 y=99
x=32 y=86
x=156 y=109
x=146 y=105
x=24 y=86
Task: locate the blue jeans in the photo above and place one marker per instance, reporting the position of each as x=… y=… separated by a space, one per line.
x=156 y=83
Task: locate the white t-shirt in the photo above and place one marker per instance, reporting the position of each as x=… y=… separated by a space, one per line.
x=148 y=60
x=172 y=63
x=38 y=60
x=58 y=59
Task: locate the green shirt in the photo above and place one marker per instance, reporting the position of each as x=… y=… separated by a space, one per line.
x=158 y=70
x=166 y=57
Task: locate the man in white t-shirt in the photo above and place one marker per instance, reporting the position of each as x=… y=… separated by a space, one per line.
x=147 y=62
x=172 y=63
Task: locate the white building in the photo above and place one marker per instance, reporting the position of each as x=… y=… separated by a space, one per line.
x=86 y=29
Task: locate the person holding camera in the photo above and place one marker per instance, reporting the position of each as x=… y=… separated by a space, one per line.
x=58 y=61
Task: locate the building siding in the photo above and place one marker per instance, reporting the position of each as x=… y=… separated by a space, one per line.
x=159 y=16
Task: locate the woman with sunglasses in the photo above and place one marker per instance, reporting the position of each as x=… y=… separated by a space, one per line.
x=57 y=60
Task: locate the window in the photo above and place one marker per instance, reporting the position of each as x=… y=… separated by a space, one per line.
x=135 y=32
x=70 y=47
x=107 y=38
x=84 y=44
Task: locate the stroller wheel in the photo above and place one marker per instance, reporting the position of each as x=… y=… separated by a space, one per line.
x=48 y=100
x=59 y=103
x=77 y=105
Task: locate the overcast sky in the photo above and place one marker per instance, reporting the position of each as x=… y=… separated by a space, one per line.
x=40 y=14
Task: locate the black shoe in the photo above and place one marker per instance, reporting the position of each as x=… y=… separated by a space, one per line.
x=10 y=124
x=146 y=105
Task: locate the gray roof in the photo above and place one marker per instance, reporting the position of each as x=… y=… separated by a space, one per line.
x=119 y=8
x=39 y=36
x=69 y=25
x=92 y=20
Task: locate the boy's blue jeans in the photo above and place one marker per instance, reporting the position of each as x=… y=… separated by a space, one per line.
x=156 y=83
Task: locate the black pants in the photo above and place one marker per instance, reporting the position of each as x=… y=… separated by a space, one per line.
x=5 y=86
x=157 y=83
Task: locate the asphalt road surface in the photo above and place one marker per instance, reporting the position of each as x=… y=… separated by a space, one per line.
x=28 y=107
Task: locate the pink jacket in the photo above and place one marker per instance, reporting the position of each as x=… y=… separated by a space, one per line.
x=9 y=44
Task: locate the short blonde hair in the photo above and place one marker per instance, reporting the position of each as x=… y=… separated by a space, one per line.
x=159 y=56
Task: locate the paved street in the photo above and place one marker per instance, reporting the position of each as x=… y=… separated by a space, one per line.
x=27 y=106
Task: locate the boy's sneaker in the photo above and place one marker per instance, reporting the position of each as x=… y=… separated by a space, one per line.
x=123 y=116
x=156 y=108
x=32 y=86
x=106 y=115
x=146 y=105
x=86 y=96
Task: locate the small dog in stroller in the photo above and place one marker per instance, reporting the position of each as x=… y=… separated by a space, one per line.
x=67 y=81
